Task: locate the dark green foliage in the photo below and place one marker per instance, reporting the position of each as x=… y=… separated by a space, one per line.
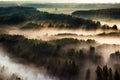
x=92 y=51
x=16 y=15
x=65 y=41
x=115 y=58
x=115 y=34
x=88 y=73
x=100 y=13
x=40 y=53
x=102 y=74
x=31 y=26
x=105 y=73
x=115 y=27
x=48 y=54
x=71 y=53
x=117 y=75
x=99 y=73
x=70 y=68
x=81 y=55
x=50 y=25
x=110 y=74
x=12 y=19
x=98 y=23
x=104 y=27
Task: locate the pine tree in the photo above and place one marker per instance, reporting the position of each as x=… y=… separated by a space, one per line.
x=110 y=77
x=99 y=73
x=87 y=75
x=105 y=72
x=116 y=75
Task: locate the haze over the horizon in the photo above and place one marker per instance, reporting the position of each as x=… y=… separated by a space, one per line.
x=69 y=1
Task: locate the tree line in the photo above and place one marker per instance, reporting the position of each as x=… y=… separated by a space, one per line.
x=49 y=54
x=19 y=14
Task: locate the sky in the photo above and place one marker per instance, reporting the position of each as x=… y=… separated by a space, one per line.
x=71 y=1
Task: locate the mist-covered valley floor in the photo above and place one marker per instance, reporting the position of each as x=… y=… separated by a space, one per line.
x=47 y=46
x=69 y=43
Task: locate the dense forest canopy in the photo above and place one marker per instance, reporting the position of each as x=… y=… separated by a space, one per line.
x=64 y=46
x=112 y=13
x=50 y=54
x=16 y=15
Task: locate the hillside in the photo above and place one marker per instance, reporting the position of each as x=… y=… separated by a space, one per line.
x=50 y=54
x=17 y=15
x=114 y=34
x=99 y=13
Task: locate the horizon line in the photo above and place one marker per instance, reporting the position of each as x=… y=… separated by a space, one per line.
x=38 y=2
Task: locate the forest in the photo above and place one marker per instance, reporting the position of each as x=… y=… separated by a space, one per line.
x=112 y=13
x=67 y=64
x=63 y=46
x=17 y=15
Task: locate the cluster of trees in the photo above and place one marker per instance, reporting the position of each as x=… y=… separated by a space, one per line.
x=115 y=60
x=31 y=26
x=66 y=34
x=115 y=57
x=103 y=73
x=16 y=15
x=49 y=54
x=114 y=27
x=100 y=13
x=115 y=34
x=106 y=73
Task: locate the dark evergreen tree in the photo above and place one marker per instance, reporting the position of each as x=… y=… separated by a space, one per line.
x=99 y=73
x=87 y=75
x=105 y=72
x=92 y=51
x=110 y=77
x=116 y=75
x=114 y=27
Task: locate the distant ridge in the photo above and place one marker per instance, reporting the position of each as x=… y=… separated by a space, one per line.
x=99 y=13
x=37 y=19
x=60 y=5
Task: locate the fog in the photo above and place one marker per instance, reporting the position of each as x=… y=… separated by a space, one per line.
x=104 y=46
x=26 y=72
x=102 y=40
x=51 y=34
x=61 y=10
x=93 y=49
x=102 y=49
